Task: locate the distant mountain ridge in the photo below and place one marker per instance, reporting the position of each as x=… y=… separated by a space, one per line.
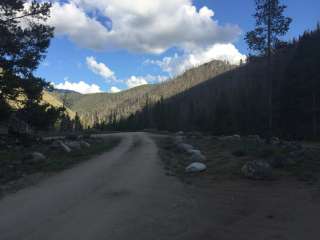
x=100 y=107
x=63 y=91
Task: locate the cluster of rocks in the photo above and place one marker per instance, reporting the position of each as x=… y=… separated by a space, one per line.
x=196 y=158
x=286 y=153
x=26 y=160
x=66 y=146
x=69 y=145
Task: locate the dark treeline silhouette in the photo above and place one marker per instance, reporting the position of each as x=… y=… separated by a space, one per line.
x=236 y=101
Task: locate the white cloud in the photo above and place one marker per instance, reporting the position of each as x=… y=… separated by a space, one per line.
x=140 y=25
x=70 y=20
x=134 y=81
x=177 y=64
x=114 y=89
x=80 y=87
x=99 y=68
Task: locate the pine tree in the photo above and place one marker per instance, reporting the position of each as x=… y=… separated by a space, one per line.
x=270 y=25
x=22 y=47
x=77 y=123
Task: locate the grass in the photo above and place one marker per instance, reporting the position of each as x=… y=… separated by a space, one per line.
x=225 y=159
x=58 y=161
x=13 y=167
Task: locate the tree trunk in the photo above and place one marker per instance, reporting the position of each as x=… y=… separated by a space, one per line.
x=314 y=114
x=269 y=75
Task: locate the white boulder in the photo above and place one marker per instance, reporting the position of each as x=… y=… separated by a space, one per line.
x=196 y=167
x=194 y=151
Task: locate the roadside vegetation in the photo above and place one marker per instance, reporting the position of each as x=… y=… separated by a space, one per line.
x=19 y=161
x=226 y=156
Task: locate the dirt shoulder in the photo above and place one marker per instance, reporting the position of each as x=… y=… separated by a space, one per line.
x=283 y=207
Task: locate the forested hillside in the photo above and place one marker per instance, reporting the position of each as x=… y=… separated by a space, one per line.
x=104 y=108
x=236 y=101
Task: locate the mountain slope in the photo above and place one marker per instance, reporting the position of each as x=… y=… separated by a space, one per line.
x=100 y=107
x=53 y=100
x=236 y=101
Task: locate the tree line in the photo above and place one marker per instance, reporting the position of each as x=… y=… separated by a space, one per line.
x=237 y=100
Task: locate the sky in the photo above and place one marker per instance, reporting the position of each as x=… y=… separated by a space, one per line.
x=114 y=45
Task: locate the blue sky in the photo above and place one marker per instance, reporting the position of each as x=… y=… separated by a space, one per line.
x=112 y=45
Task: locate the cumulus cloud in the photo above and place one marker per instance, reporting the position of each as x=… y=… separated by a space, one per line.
x=80 y=87
x=177 y=64
x=141 y=25
x=99 y=68
x=134 y=81
x=114 y=90
x=72 y=21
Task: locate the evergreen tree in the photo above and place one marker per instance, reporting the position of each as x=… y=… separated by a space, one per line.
x=77 y=123
x=270 y=25
x=22 y=47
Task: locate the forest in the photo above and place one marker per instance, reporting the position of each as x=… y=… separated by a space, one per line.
x=274 y=92
x=234 y=101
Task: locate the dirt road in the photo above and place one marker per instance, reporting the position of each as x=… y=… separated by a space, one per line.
x=125 y=194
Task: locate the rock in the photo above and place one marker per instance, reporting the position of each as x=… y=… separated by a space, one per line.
x=257 y=169
x=85 y=144
x=275 y=141
x=194 y=151
x=35 y=157
x=197 y=156
x=74 y=145
x=196 y=167
x=183 y=147
x=232 y=138
x=64 y=147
